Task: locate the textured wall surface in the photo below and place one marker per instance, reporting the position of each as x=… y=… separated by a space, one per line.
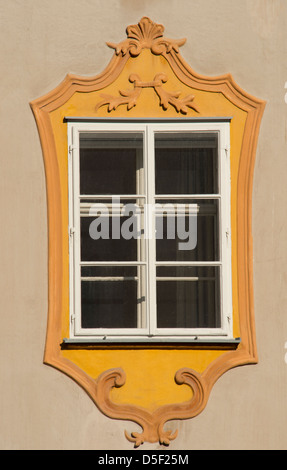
x=40 y=42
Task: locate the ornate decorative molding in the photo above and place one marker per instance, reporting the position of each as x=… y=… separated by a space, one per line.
x=146 y=34
x=130 y=97
x=152 y=423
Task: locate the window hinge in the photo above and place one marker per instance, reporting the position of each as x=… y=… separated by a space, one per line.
x=227 y=233
x=71 y=231
x=71 y=148
x=227 y=150
x=73 y=317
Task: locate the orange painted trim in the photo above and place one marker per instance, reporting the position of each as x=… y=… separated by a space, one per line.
x=148 y=35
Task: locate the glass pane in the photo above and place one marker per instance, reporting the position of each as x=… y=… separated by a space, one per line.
x=110 y=163
x=113 y=297
x=112 y=230
x=186 y=163
x=108 y=304
x=105 y=249
x=188 y=297
x=187 y=230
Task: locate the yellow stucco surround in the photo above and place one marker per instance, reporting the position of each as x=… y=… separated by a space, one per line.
x=147 y=77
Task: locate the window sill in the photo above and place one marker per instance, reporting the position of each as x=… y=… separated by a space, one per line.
x=158 y=342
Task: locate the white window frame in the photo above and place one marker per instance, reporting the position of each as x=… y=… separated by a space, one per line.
x=151 y=333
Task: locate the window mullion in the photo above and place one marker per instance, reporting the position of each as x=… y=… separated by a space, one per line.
x=150 y=228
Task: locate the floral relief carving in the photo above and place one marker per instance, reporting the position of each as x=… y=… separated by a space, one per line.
x=130 y=97
x=146 y=34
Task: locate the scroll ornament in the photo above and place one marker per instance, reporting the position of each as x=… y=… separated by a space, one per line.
x=130 y=97
x=152 y=423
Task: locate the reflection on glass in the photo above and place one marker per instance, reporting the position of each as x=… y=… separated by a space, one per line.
x=186 y=163
x=188 y=297
x=108 y=304
x=109 y=162
x=106 y=249
x=111 y=229
x=113 y=297
x=195 y=231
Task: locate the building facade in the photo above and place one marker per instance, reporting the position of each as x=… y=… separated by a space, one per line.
x=51 y=395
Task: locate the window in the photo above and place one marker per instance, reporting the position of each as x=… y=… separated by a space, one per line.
x=150 y=242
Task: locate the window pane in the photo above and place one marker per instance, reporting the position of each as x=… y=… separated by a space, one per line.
x=188 y=297
x=106 y=249
x=188 y=230
x=112 y=229
x=113 y=296
x=110 y=163
x=186 y=163
x=108 y=304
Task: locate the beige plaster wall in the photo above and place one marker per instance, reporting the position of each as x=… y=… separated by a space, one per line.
x=41 y=41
